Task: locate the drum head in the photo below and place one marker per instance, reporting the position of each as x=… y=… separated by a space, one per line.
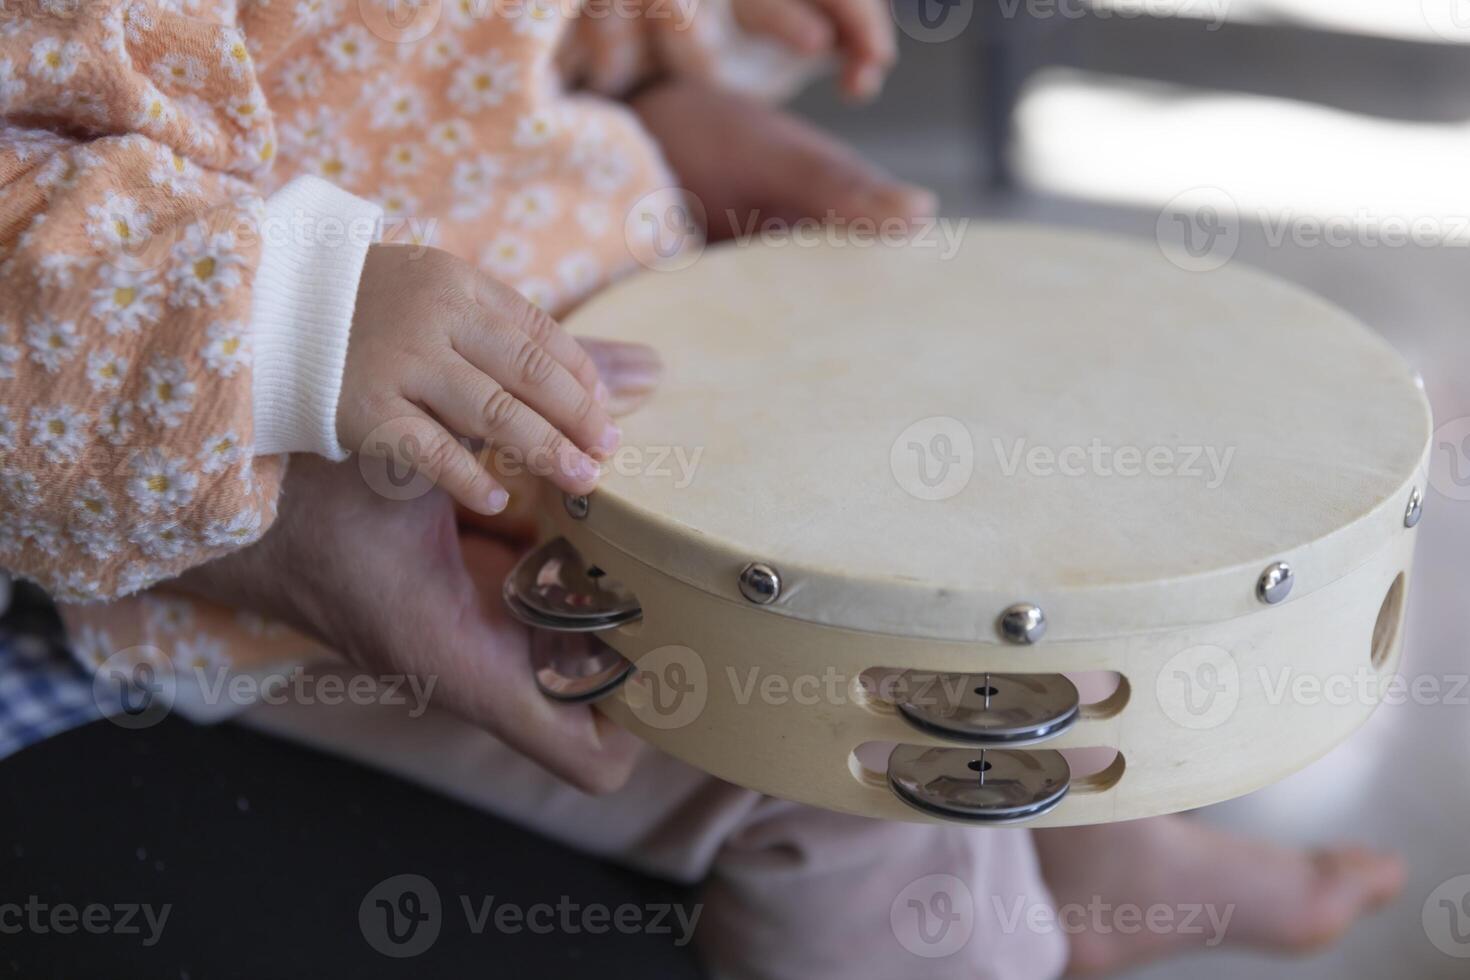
x=915 y=438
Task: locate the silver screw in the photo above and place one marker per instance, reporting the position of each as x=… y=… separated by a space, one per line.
x=1415 y=509
x=1022 y=623
x=1275 y=583
x=577 y=505
x=760 y=584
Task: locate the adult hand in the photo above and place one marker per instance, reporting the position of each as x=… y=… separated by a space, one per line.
x=746 y=160
x=394 y=588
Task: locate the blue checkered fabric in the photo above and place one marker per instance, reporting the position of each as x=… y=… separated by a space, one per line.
x=43 y=690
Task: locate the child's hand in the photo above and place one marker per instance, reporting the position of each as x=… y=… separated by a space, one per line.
x=438 y=350
x=860 y=30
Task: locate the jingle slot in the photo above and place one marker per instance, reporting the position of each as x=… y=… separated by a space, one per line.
x=1386 y=626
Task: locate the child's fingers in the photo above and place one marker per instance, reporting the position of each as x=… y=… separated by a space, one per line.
x=795 y=22
x=505 y=305
x=524 y=364
x=476 y=405
x=416 y=443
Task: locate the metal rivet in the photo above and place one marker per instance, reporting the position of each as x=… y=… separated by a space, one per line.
x=577 y=505
x=1275 y=583
x=1415 y=509
x=1022 y=623
x=760 y=584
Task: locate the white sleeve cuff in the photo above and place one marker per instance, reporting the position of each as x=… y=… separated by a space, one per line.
x=314 y=240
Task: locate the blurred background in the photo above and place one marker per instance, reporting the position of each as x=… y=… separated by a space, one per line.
x=1327 y=141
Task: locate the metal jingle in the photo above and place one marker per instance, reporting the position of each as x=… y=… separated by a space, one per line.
x=990 y=709
x=576 y=668
x=982 y=786
x=554 y=588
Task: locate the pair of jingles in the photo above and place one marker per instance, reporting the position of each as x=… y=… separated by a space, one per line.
x=916 y=494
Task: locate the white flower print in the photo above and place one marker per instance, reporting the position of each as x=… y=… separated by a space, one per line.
x=52 y=342
x=60 y=431
x=154 y=109
x=234 y=532
x=531 y=207
x=403 y=160
x=168 y=394
x=440 y=50
x=246 y=110
x=471 y=181
x=161 y=484
x=126 y=300
x=234 y=56
x=53 y=60
x=397 y=203
x=201 y=129
x=56 y=269
x=206 y=267
x=178 y=71
x=396 y=106
x=170 y=617
x=20 y=489
x=10 y=540
x=539 y=19
x=226 y=348
x=115 y=424
x=97 y=541
x=484 y=81
x=106 y=370
x=118 y=222
x=536 y=128
x=92 y=646
x=161 y=540
x=9 y=354
x=538 y=291
x=579 y=273
x=92 y=505
x=451 y=136
x=137 y=21
x=64 y=170
x=77 y=586
x=312 y=16
x=594 y=218
x=506 y=256
x=200 y=656
x=137 y=576
x=467 y=13
x=339 y=161
x=301 y=79
x=309 y=127
x=221 y=452
x=173 y=172
x=257 y=146
x=350 y=49
x=7 y=430
x=12 y=86
x=608 y=172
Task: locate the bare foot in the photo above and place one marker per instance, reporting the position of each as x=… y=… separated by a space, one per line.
x=1202 y=888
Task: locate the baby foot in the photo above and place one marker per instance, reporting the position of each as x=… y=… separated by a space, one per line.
x=1252 y=893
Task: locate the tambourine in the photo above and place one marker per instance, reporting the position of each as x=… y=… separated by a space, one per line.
x=896 y=508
